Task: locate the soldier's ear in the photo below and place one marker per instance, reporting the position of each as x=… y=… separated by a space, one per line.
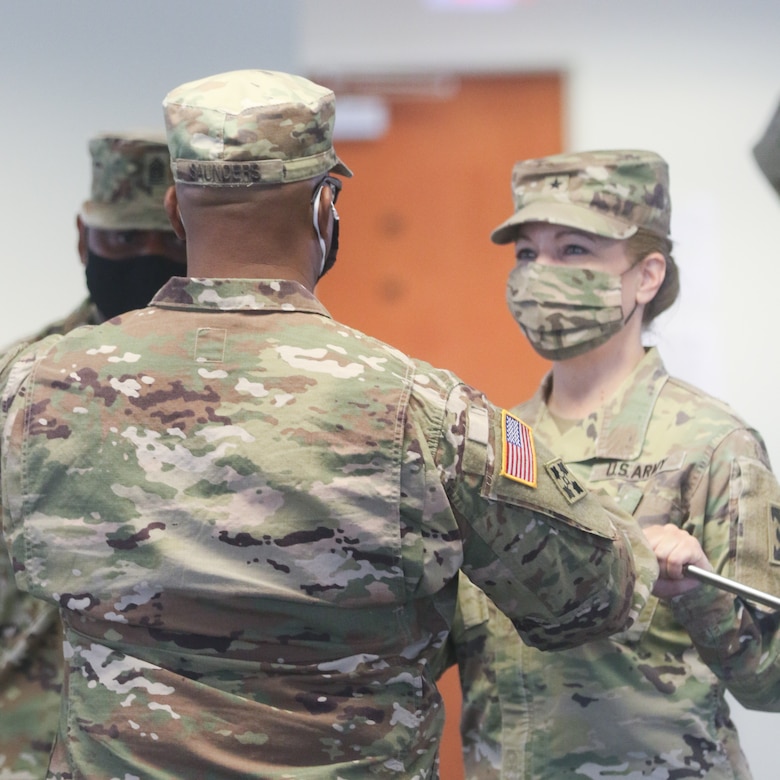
x=171 y=203
x=652 y=276
x=325 y=216
x=83 y=241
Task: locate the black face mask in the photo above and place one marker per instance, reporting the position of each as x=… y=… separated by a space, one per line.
x=330 y=258
x=118 y=286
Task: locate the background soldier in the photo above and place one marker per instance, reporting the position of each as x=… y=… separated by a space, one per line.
x=125 y=240
x=129 y=250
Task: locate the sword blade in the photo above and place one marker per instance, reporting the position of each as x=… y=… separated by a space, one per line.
x=732 y=586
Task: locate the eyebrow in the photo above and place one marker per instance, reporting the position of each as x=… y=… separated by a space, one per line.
x=562 y=232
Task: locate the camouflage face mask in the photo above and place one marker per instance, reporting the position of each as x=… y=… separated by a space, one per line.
x=565 y=312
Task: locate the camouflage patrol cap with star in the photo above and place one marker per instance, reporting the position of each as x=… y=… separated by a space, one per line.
x=130 y=174
x=251 y=127
x=611 y=193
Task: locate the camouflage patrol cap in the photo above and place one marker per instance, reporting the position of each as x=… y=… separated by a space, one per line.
x=611 y=193
x=767 y=152
x=130 y=174
x=251 y=127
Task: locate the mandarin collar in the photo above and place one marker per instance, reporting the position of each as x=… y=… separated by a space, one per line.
x=618 y=429
x=201 y=294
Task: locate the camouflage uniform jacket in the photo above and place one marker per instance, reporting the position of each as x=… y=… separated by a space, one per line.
x=252 y=519
x=31 y=647
x=648 y=702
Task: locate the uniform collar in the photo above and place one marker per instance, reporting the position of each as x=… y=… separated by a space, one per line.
x=237 y=295
x=615 y=431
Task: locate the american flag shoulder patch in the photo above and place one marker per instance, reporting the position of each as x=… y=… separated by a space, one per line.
x=518 y=456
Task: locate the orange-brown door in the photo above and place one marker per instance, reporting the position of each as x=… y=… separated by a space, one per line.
x=416 y=266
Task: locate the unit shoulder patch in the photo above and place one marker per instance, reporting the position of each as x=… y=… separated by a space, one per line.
x=565 y=481
x=774 y=557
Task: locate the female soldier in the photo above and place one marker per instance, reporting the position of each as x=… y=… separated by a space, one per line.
x=594 y=266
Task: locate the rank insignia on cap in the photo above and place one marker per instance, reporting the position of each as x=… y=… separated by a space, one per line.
x=556 y=183
x=564 y=480
x=518 y=457
x=156 y=170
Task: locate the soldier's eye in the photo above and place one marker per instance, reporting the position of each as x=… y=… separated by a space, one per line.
x=125 y=237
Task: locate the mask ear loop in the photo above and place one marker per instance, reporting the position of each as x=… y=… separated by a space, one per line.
x=630 y=314
x=316 y=222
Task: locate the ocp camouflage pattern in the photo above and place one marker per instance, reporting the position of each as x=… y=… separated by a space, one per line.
x=130 y=174
x=649 y=701
x=251 y=127
x=252 y=518
x=564 y=310
x=610 y=193
x=30 y=679
x=30 y=641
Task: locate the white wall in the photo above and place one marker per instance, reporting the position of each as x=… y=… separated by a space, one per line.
x=696 y=80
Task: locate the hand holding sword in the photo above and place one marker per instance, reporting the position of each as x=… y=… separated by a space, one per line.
x=683 y=563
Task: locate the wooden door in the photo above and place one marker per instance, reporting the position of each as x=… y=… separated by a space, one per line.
x=416 y=267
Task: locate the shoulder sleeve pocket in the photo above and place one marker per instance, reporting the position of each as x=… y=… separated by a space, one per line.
x=520 y=470
x=757 y=496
